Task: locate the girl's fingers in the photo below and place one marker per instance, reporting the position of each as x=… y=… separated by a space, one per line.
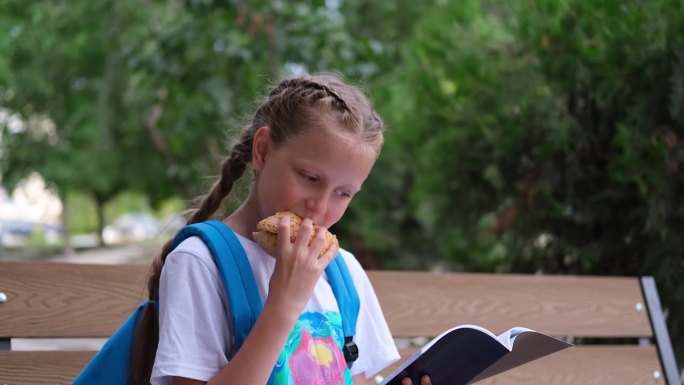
x=318 y=241
x=306 y=230
x=309 y=243
x=424 y=380
x=330 y=254
x=283 y=237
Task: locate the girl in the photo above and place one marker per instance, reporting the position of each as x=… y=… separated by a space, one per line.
x=311 y=144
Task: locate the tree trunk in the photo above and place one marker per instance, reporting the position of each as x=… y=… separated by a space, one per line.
x=66 y=234
x=100 y=201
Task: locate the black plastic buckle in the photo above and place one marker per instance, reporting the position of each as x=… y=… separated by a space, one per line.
x=350 y=350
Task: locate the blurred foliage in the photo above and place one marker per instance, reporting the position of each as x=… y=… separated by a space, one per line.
x=529 y=136
x=539 y=136
x=82 y=209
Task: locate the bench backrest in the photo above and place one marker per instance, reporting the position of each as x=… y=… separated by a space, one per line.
x=57 y=300
x=580 y=309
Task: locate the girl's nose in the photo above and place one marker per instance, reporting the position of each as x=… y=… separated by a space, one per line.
x=316 y=206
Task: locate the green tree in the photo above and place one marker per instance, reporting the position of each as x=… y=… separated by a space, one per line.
x=619 y=68
x=63 y=81
x=539 y=137
x=147 y=97
x=197 y=67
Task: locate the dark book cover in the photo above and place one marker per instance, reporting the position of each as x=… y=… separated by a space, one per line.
x=469 y=353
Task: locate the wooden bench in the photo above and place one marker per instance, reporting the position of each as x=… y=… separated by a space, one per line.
x=58 y=300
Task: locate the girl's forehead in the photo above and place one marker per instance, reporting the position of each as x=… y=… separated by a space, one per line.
x=325 y=139
x=329 y=149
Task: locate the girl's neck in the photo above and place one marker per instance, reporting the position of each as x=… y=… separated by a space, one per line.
x=245 y=218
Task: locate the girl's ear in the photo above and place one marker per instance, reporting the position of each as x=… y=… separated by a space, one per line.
x=260 y=147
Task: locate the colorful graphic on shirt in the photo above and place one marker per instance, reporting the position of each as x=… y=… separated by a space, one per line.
x=312 y=354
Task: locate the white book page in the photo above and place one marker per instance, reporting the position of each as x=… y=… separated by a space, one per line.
x=507 y=338
x=530 y=346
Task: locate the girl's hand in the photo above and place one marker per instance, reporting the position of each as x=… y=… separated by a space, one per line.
x=298 y=266
x=425 y=380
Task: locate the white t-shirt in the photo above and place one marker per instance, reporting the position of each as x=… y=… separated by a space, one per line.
x=195 y=330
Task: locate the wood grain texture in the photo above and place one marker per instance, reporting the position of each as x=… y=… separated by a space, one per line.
x=580 y=365
x=33 y=368
x=67 y=300
x=421 y=303
x=47 y=300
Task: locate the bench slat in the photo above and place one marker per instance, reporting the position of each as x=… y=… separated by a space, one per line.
x=32 y=368
x=67 y=300
x=600 y=365
x=70 y=300
x=94 y=300
x=556 y=305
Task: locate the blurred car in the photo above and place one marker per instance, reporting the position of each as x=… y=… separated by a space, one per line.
x=131 y=227
x=17 y=233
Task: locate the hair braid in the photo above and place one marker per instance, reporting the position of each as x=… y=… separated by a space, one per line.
x=301 y=83
x=329 y=91
x=231 y=170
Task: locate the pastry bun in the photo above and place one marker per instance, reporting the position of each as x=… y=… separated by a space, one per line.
x=266 y=237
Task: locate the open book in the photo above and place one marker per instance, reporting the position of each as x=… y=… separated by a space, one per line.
x=469 y=353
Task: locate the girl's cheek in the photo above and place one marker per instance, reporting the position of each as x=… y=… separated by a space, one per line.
x=336 y=214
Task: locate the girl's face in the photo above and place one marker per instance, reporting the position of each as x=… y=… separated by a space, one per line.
x=315 y=175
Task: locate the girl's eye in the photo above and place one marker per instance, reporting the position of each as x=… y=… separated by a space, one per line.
x=309 y=177
x=344 y=194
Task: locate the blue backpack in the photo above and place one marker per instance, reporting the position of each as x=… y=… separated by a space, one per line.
x=111 y=364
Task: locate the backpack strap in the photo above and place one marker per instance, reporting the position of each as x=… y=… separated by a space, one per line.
x=348 y=301
x=243 y=295
x=235 y=270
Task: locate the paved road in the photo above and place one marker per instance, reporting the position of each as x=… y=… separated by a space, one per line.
x=111 y=255
x=133 y=253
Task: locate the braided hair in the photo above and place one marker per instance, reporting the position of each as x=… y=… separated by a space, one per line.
x=293 y=105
